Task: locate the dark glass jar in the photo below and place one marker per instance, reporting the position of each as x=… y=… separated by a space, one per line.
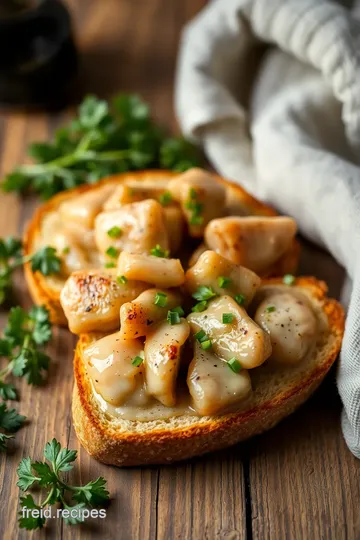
x=38 y=59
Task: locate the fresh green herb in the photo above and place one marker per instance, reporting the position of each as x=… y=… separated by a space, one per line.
x=179 y=310
x=115 y=232
x=195 y=208
x=104 y=139
x=45 y=260
x=66 y=250
x=200 y=306
x=206 y=344
x=165 y=198
x=137 y=361
x=122 y=280
x=193 y=194
x=10 y=258
x=203 y=339
x=157 y=251
x=173 y=317
x=240 y=299
x=289 y=279
x=48 y=476
x=178 y=154
x=110 y=265
x=227 y=318
x=196 y=220
x=201 y=336
x=224 y=282
x=234 y=365
x=112 y=252
x=270 y=309
x=24 y=334
x=10 y=421
x=204 y=293
x=160 y=299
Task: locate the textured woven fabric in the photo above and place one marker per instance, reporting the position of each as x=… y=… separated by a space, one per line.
x=303 y=114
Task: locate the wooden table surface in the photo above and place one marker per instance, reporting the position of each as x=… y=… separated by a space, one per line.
x=298 y=481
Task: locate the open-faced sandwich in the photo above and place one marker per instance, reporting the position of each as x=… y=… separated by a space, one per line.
x=151 y=212
x=186 y=343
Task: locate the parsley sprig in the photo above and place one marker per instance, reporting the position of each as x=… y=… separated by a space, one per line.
x=104 y=139
x=47 y=475
x=10 y=421
x=45 y=260
x=23 y=336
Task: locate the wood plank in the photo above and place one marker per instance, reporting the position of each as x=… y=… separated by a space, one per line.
x=203 y=498
x=303 y=480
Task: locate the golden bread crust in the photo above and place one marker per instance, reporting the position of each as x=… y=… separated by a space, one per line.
x=168 y=444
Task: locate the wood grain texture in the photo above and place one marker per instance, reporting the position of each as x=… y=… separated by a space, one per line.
x=298 y=481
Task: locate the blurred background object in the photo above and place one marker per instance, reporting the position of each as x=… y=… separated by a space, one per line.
x=38 y=59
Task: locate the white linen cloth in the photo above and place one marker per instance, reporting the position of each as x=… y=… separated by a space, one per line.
x=304 y=120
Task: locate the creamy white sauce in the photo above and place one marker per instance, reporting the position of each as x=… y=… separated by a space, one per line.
x=153 y=410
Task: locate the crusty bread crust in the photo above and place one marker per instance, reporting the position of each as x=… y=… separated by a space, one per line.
x=168 y=443
x=38 y=285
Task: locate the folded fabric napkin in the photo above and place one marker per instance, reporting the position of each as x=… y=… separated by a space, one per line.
x=303 y=114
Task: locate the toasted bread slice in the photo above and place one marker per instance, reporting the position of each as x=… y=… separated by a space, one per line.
x=277 y=392
x=46 y=290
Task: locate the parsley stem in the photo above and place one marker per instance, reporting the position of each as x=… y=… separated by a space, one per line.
x=48 y=498
x=71 y=159
x=6 y=371
x=112 y=155
x=23 y=260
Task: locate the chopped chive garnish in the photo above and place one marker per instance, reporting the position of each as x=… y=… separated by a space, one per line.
x=165 y=198
x=157 y=251
x=206 y=344
x=110 y=265
x=193 y=193
x=112 y=252
x=195 y=206
x=66 y=250
x=223 y=282
x=227 y=318
x=173 y=317
x=114 y=232
x=137 y=361
x=240 y=299
x=289 y=279
x=201 y=336
x=179 y=310
x=203 y=339
x=234 y=365
x=196 y=220
x=160 y=299
x=122 y=280
x=204 y=293
x=200 y=306
x=270 y=309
